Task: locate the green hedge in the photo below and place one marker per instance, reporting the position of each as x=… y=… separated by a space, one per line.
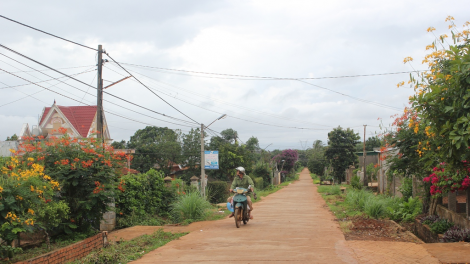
x=259 y=183
x=218 y=191
x=144 y=194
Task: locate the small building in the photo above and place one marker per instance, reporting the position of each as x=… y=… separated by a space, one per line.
x=80 y=122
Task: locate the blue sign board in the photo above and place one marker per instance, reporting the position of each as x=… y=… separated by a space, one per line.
x=211 y=160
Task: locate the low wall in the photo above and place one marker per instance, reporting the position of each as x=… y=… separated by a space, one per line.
x=454 y=217
x=72 y=252
x=425 y=233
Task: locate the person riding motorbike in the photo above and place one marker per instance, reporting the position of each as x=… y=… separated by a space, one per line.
x=243 y=181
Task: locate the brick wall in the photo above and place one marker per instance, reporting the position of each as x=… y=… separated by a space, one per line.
x=72 y=252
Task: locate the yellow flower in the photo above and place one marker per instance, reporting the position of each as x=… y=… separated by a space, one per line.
x=431 y=29
x=442 y=98
x=439 y=147
x=1 y=189
x=31 y=211
x=32 y=188
x=407 y=59
x=19 y=198
x=13 y=151
x=449 y=18
x=30 y=159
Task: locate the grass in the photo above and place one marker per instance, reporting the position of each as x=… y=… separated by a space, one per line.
x=42 y=249
x=190 y=207
x=142 y=220
x=336 y=201
x=127 y=251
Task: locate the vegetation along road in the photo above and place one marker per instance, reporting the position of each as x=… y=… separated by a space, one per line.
x=291 y=225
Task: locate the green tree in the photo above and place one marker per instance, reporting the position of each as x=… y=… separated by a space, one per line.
x=191 y=153
x=316 y=158
x=341 y=150
x=119 y=144
x=155 y=147
x=373 y=142
x=230 y=135
x=12 y=138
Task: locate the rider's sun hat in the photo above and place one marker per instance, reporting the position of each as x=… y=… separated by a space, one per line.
x=241 y=169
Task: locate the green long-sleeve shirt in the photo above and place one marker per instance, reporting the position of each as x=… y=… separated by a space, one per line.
x=243 y=182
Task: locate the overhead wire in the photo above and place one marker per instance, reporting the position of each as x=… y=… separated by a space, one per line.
x=224 y=102
x=246 y=120
x=150 y=89
x=122 y=99
x=47 y=33
x=31 y=95
x=254 y=77
x=77 y=100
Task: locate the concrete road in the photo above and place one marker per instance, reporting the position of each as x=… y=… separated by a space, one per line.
x=290 y=226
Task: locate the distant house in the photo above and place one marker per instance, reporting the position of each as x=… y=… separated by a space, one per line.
x=80 y=121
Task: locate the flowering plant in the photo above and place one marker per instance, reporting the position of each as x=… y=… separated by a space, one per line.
x=443 y=180
x=24 y=187
x=87 y=170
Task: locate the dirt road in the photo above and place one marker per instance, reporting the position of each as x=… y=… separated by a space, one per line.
x=290 y=226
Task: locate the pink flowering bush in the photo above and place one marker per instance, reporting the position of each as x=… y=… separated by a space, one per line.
x=443 y=180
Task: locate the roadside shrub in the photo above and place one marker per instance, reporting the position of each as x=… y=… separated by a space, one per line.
x=356 y=183
x=143 y=194
x=405 y=211
x=262 y=170
x=190 y=206
x=218 y=191
x=374 y=208
x=25 y=189
x=441 y=226
x=456 y=234
x=87 y=170
x=259 y=183
x=406 y=188
x=429 y=219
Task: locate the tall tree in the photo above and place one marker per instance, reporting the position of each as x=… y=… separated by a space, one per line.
x=373 y=142
x=229 y=135
x=316 y=158
x=155 y=147
x=341 y=150
x=191 y=153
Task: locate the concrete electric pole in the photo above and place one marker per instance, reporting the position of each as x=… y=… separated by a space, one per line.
x=99 y=97
x=364 y=158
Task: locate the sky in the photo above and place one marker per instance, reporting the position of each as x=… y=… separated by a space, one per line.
x=286 y=40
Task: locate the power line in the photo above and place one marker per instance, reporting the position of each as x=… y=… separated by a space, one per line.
x=47 y=33
x=254 y=77
x=246 y=120
x=66 y=68
x=26 y=84
x=31 y=95
x=150 y=89
x=77 y=100
x=122 y=99
x=355 y=98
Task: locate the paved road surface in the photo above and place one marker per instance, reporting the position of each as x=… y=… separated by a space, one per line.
x=290 y=226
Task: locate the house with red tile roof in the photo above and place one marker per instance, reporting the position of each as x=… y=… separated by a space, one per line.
x=80 y=121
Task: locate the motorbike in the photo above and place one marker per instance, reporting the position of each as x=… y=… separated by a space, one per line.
x=240 y=206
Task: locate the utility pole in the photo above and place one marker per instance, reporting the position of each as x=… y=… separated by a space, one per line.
x=99 y=103
x=203 y=170
x=364 y=158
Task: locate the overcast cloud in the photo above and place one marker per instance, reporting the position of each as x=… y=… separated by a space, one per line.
x=260 y=38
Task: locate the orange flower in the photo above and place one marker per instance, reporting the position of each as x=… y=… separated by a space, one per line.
x=62 y=130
